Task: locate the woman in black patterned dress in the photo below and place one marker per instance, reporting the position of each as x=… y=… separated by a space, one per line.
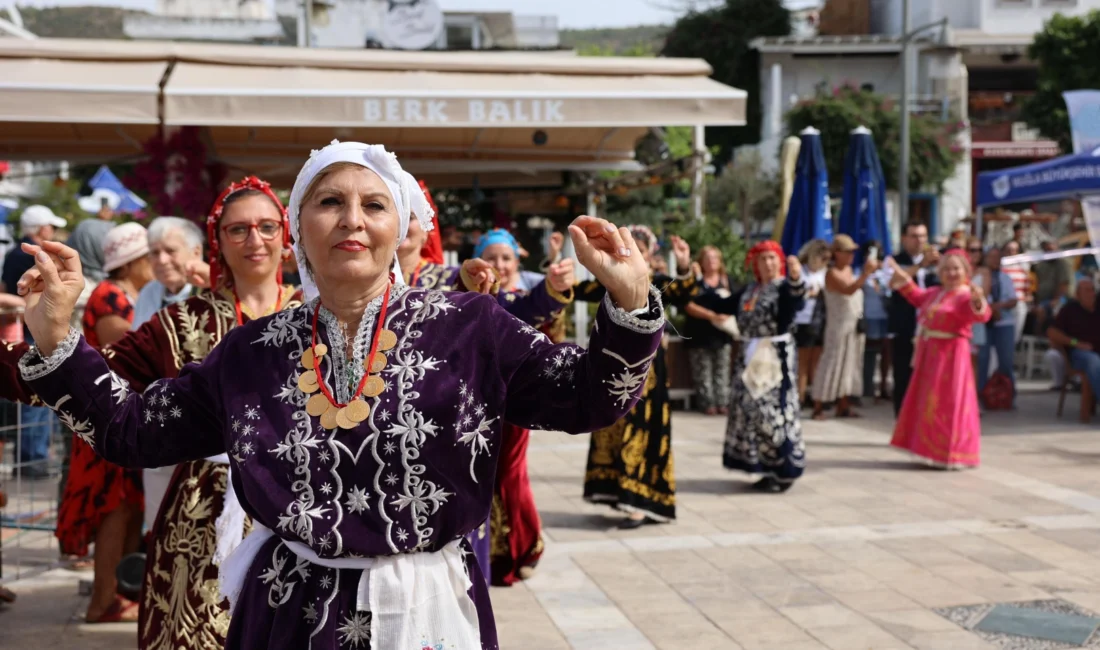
x=630 y=463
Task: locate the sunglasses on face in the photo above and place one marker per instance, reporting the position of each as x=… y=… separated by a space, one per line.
x=974 y=250
x=238 y=232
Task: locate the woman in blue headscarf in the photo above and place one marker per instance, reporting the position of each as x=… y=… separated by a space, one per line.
x=514 y=527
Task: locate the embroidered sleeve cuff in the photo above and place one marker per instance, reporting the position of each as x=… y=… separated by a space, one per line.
x=648 y=320
x=34 y=366
x=563 y=298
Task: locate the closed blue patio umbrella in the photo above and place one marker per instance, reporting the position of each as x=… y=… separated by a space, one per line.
x=808 y=216
x=863 y=205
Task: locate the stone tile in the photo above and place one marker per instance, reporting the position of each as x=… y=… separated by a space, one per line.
x=961 y=640
x=795 y=597
x=908 y=623
x=817 y=616
x=877 y=600
x=865 y=636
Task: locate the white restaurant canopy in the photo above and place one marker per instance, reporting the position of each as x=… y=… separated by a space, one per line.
x=264 y=108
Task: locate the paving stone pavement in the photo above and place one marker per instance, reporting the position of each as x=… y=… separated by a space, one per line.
x=855 y=557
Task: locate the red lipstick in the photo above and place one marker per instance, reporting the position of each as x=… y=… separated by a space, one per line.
x=351 y=246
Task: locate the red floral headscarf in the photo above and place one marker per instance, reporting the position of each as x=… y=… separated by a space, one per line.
x=214 y=217
x=433 y=247
x=766 y=246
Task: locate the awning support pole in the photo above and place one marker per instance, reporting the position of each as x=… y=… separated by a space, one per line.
x=580 y=309
x=700 y=148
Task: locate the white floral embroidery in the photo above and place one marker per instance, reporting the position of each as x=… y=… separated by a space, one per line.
x=355 y=630
x=251 y=412
x=324 y=456
x=475 y=438
x=538 y=336
x=82 y=428
x=560 y=368
x=310 y=612
x=120 y=388
x=357 y=500
x=326 y=488
x=626 y=384
x=326 y=582
x=282 y=588
x=389 y=447
x=325 y=542
x=295 y=449
x=159 y=405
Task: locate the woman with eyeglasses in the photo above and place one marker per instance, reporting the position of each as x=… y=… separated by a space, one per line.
x=199 y=522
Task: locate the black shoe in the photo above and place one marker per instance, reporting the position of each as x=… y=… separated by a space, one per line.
x=771 y=485
x=631 y=524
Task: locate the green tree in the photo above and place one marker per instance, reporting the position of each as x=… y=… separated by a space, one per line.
x=722 y=36
x=1066 y=53
x=934 y=152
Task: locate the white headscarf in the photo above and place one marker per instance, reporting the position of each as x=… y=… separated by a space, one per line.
x=375 y=158
x=418 y=203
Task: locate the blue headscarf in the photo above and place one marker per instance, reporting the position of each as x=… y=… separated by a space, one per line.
x=496 y=236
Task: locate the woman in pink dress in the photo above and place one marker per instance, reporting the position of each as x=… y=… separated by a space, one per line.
x=939 y=420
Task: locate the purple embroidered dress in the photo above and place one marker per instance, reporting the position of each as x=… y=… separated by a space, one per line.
x=403 y=487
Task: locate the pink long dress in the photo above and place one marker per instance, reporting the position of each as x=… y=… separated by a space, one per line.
x=939 y=419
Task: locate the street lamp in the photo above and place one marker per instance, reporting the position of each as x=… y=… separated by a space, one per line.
x=903 y=164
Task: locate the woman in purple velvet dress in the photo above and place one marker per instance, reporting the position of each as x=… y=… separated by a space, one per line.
x=364 y=426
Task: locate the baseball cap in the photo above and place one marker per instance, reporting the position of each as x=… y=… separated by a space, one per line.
x=36 y=216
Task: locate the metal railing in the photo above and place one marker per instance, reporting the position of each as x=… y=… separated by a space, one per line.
x=31 y=483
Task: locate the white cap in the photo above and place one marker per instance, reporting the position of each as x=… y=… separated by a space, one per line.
x=124 y=244
x=36 y=216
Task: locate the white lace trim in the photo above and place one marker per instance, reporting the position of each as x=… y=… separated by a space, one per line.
x=344 y=382
x=34 y=366
x=652 y=320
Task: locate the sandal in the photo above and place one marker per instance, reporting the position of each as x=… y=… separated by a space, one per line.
x=848 y=413
x=7 y=595
x=122 y=610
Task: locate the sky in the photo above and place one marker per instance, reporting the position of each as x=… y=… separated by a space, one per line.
x=571 y=13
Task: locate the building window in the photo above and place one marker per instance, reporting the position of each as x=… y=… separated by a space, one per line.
x=1059 y=3
x=1015 y=4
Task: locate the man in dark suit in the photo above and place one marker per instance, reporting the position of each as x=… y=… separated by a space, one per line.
x=919 y=260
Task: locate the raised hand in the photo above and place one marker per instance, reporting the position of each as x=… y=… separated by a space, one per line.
x=794 y=268
x=898 y=278
x=557 y=243
x=682 y=252
x=612 y=255
x=51 y=290
x=478 y=275
x=560 y=276
x=198 y=273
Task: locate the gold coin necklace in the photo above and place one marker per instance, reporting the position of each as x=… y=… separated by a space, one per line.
x=321 y=403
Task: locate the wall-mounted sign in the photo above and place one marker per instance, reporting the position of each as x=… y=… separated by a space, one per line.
x=395 y=111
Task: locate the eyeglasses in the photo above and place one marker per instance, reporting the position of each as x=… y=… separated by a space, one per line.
x=973 y=250
x=238 y=233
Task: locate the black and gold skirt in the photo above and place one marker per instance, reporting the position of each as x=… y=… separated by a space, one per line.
x=630 y=462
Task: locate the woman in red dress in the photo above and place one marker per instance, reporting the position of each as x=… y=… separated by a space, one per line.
x=515 y=531
x=102 y=502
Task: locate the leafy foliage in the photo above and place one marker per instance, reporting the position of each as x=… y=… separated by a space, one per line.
x=722 y=36
x=76 y=22
x=1066 y=53
x=714 y=231
x=644 y=40
x=934 y=152
x=744 y=192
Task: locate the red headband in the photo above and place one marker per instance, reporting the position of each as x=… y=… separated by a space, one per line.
x=766 y=246
x=215 y=216
x=433 y=246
